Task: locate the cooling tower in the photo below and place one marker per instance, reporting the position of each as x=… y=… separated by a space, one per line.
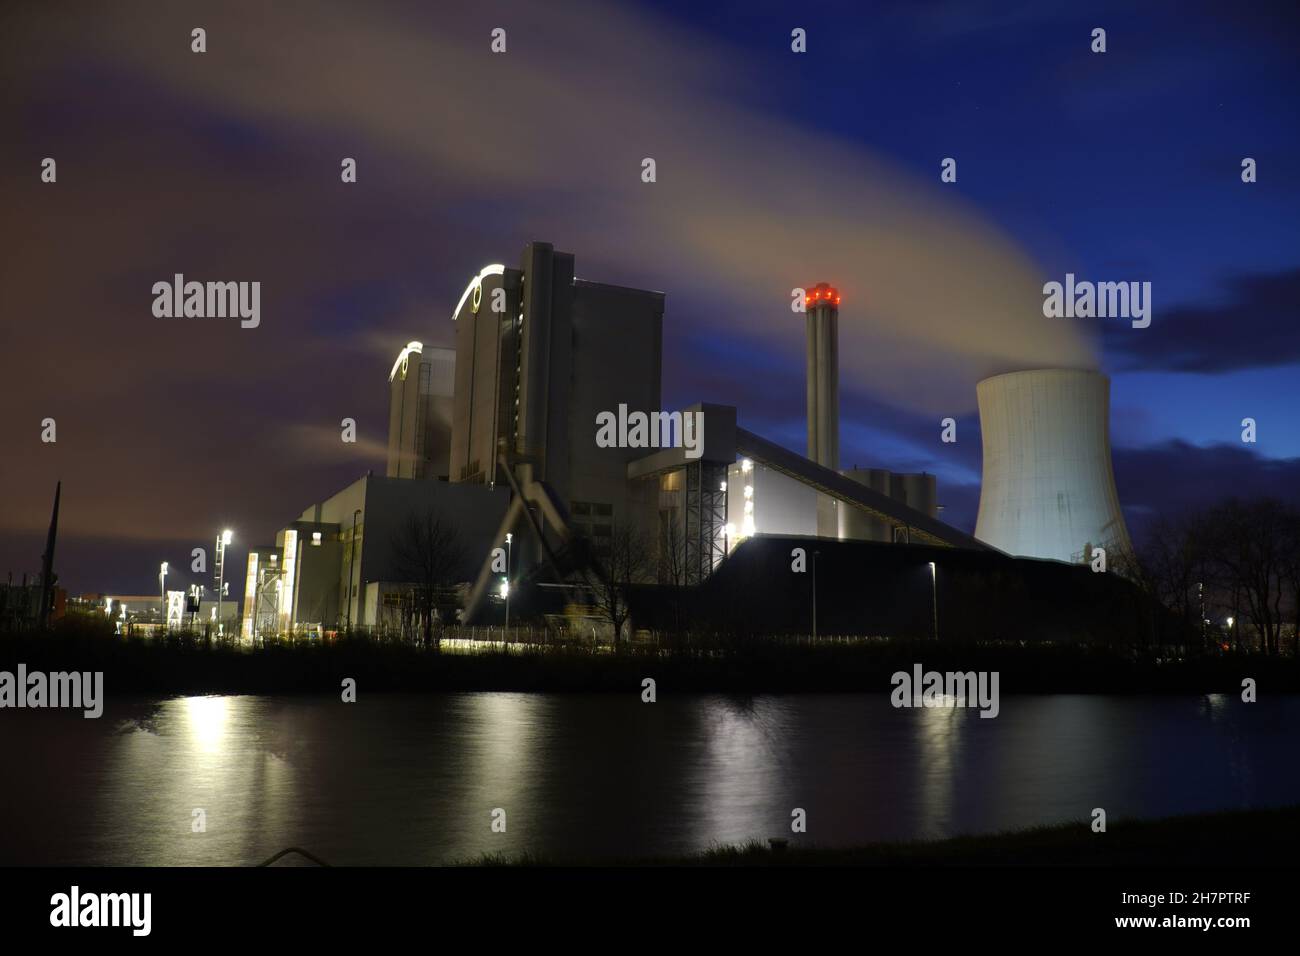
x=1048 y=489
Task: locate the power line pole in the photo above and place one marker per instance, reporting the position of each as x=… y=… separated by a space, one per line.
x=352 y=550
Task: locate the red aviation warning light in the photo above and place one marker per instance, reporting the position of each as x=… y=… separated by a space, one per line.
x=822 y=294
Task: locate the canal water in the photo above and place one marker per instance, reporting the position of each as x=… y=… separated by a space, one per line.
x=415 y=780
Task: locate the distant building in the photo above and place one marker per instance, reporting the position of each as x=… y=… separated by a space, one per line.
x=175 y=611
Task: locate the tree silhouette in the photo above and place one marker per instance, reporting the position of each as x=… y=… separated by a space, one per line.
x=429 y=555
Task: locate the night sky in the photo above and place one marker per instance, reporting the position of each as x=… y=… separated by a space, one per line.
x=775 y=170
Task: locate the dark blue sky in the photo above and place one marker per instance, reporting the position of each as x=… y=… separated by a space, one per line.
x=775 y=170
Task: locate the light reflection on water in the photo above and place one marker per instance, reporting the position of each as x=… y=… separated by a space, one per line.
x=410 y=779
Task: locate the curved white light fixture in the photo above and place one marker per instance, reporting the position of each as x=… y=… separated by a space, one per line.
x=403 y=356
x=495 y=269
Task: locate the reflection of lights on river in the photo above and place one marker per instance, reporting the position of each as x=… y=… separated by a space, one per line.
x=938 y=737
x=504 y=736
x=208 y=717
x=741 y=779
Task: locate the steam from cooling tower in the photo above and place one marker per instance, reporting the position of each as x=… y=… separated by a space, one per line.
x=1048 y=489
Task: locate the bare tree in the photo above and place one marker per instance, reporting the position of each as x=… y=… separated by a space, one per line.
x=1246 y=541
x=627 y=561
x=429 y=555
x=1173 y=568
x=1238 y=559
x=1291 y=572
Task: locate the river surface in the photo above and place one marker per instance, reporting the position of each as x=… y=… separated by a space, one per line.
x=407 y=779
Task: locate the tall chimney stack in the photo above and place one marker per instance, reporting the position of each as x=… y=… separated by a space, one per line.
x=822 y=305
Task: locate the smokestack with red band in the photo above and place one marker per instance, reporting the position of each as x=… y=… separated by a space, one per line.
x=822 y=304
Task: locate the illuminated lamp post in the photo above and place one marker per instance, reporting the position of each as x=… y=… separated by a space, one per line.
x=934 y=598
x=223 y=539
x=162 y=589
x=505 y=585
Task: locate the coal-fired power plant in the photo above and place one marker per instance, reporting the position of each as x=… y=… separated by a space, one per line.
x=497 y=440
x=1048 y=490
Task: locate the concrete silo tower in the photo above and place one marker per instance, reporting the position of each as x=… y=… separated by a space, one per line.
x=419 y=412
x=1048 y=489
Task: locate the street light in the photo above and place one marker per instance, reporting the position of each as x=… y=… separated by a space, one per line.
x=934 y=598
x=223 y=539
x=162 y=587
x=505 y=585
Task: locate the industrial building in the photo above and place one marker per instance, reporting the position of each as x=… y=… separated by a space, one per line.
x=320 y=574
x=540 y=354
x=497 y=439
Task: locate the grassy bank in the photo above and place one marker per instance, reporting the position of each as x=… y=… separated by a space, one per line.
x=1244 y=838
x=186 y=665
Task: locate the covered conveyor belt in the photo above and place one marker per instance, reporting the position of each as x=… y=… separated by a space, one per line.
x=920 y=526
